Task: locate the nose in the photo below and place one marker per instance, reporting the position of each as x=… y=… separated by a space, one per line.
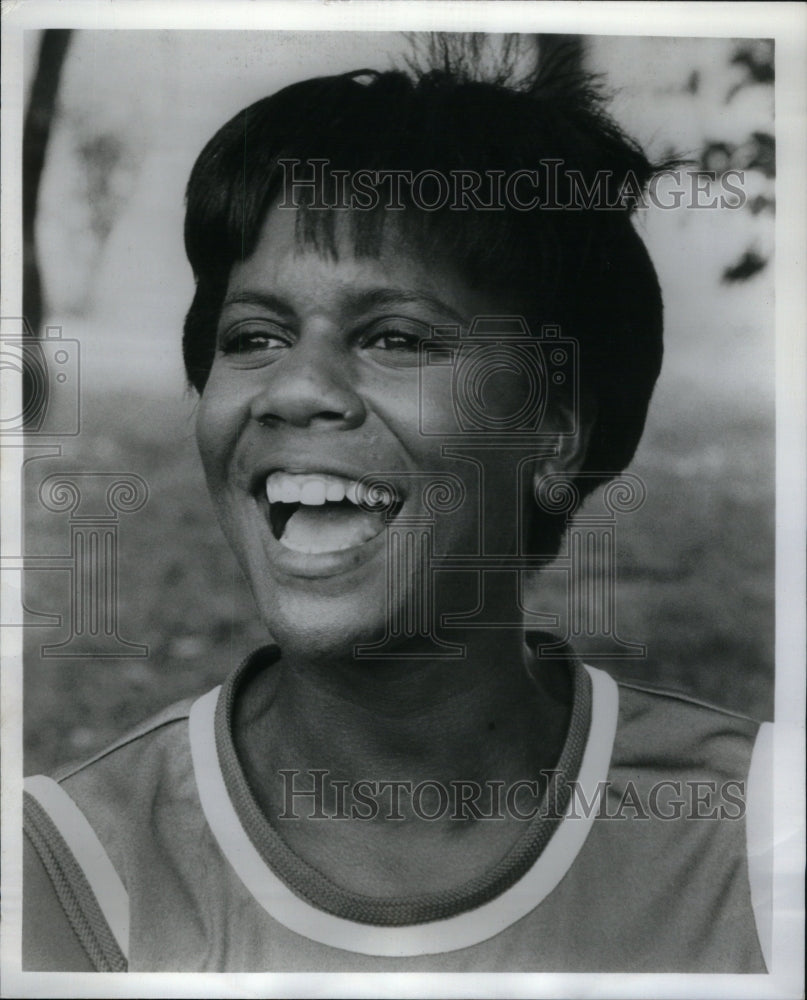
x=311 y=386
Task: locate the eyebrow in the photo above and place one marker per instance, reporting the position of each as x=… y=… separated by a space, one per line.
x=382 y=298
x=363 y=301
x=264 y=299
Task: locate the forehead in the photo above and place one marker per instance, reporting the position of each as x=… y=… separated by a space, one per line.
x=315 y=270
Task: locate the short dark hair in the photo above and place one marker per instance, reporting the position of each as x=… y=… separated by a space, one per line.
x=585 y=268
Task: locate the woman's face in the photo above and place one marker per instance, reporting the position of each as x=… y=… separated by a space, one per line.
x=314 y=385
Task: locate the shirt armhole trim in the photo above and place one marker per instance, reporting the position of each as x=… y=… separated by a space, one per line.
x=58 y=932
x=88 y=853
x=759 y=837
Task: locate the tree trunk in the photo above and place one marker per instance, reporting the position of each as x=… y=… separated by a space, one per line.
x=36 y=133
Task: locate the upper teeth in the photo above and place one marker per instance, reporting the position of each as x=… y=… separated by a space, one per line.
x=314 y=489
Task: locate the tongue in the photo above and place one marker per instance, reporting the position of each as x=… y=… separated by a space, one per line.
x=330 y=528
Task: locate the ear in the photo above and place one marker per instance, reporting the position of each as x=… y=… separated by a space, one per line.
x=572 y=426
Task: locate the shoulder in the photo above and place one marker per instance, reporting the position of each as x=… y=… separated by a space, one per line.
x=82 y=828
x=661 y=730
x=686 y=783
x=153 y=732
x=147 y=763
x=640 y=697
x=141 y=758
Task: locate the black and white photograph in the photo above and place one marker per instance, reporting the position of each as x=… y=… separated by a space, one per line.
x=403 y=499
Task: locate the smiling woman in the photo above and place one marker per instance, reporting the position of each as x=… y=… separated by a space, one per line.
x=396 y=396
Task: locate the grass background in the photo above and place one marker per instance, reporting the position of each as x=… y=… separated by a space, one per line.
x=695 y=569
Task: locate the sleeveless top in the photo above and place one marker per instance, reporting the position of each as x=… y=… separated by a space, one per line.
x=154 y=856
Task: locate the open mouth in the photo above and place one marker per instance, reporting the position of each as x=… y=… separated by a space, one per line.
x=319 y=512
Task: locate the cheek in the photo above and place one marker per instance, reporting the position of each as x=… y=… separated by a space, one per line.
x=219 y=417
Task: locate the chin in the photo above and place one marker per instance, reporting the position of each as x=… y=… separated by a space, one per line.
x=320 y=628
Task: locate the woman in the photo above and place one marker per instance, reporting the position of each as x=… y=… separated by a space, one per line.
x=408 y=331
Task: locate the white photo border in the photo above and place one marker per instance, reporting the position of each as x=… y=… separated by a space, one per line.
x=787 y=24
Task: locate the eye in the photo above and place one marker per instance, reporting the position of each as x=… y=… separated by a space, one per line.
x=250 y=339
x=396 y=341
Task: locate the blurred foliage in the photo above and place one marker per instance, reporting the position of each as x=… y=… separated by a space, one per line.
x=109 y=155
x=756 y=58
x=746 y=267
x=755 y=153
x=758 y=152
x=108 y=166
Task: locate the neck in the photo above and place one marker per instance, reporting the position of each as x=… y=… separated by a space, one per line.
x=472 y=722
x=482 y=717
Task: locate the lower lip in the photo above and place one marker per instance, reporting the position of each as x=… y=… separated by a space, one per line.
x=318 y=565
